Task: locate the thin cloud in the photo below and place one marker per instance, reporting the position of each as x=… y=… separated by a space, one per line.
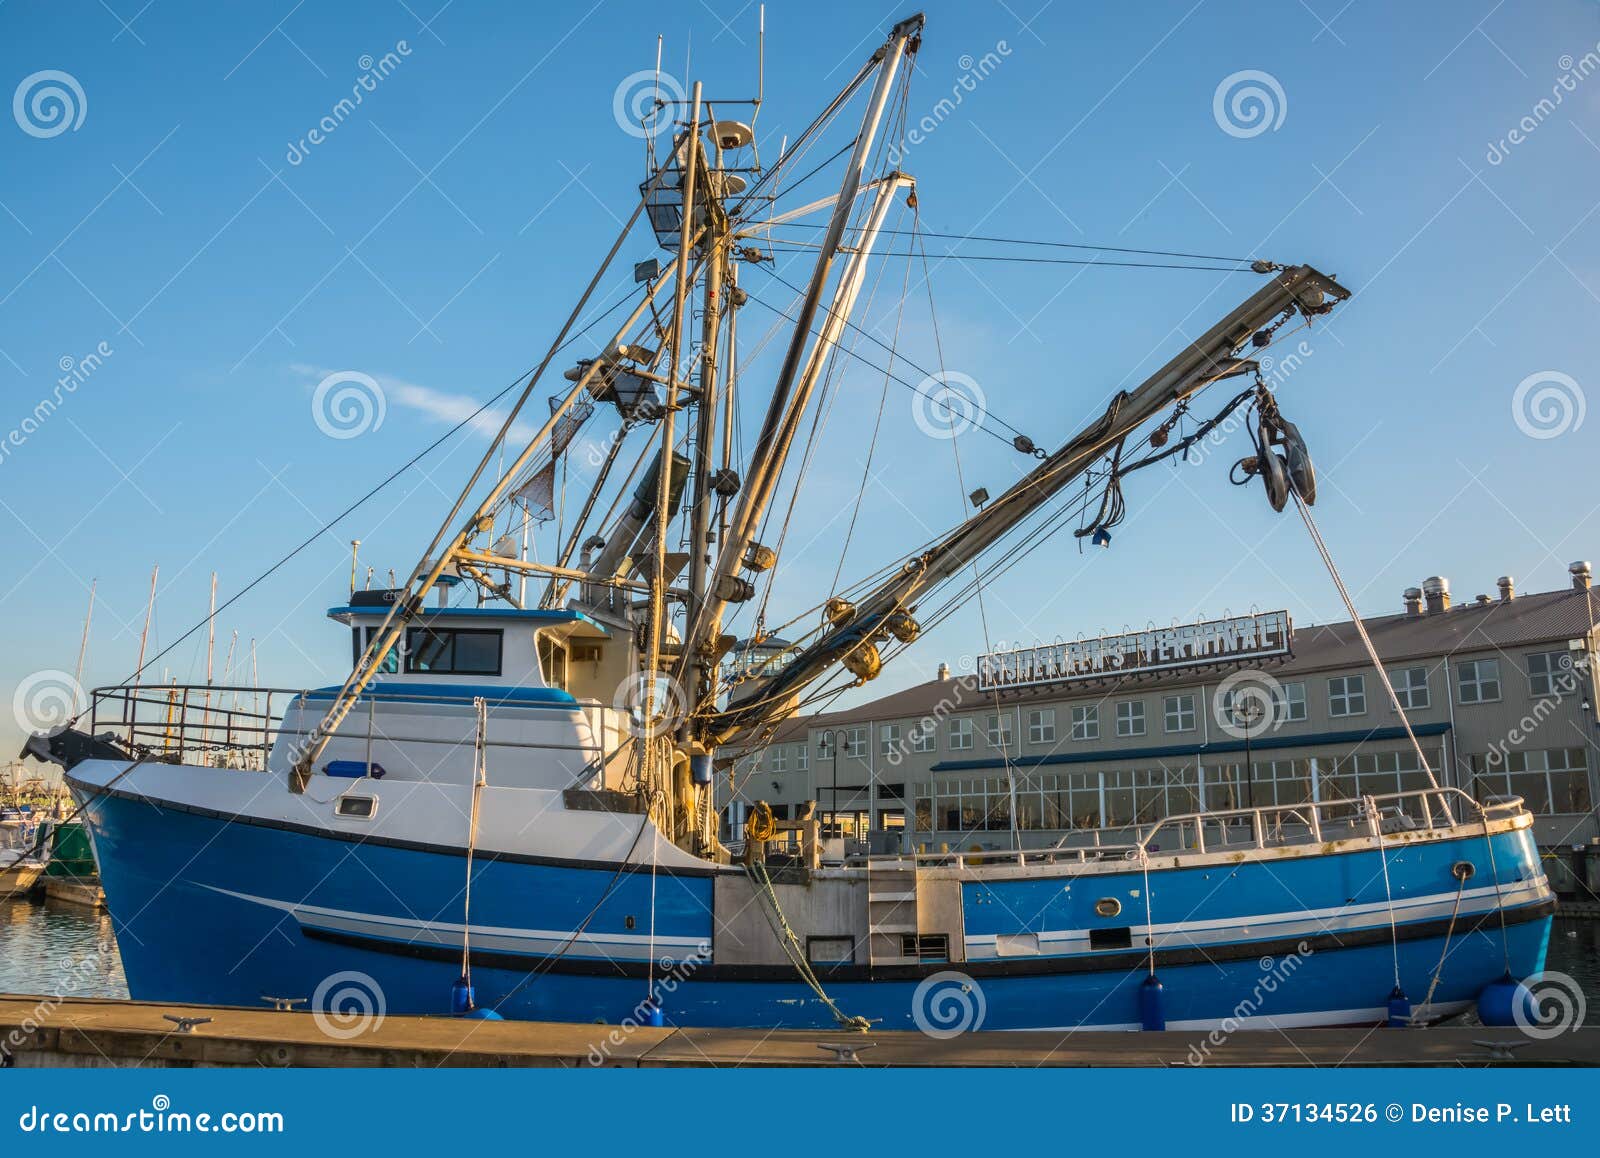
x=440 y=407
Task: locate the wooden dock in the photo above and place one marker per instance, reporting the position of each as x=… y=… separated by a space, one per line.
x=46 y=1031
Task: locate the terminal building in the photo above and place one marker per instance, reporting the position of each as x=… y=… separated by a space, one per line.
x=1246 y=712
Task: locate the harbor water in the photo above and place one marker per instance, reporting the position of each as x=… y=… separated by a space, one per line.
x=47 y=947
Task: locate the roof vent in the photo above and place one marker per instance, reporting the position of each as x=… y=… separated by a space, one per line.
x=944 y=671
x=1508 y=588
x=1413 y=598
x=1436 y=592
x=1581 y=575
x=1484 y=601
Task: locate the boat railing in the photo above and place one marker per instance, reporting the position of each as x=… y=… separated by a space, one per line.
x=235 y=727
x=1271 y=826
x=228 y=726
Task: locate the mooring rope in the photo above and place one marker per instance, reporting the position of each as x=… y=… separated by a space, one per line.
x=757 y=871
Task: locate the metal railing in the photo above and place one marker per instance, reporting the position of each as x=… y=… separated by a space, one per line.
x=235 y=727
x=1270 y=826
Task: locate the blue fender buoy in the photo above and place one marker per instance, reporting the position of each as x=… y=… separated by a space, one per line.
x=1501 y=1000
x=461 y=997
x=654 y=1015
x=1152 y=1004
x=1399 y=1009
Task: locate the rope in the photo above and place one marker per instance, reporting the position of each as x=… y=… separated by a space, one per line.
x=1438 y=970
x=1366 y=640
x=757 y=871
x=480 y=775
x=1388 y=893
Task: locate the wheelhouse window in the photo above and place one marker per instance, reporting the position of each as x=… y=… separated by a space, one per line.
x=361 y=639
x=453 y=651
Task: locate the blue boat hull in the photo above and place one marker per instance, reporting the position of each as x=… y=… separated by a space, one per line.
x=211 y=910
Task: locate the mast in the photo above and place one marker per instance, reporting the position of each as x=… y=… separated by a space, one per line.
x=766 y=463
x=886 y=610
x=83 y=644
x=655 y=624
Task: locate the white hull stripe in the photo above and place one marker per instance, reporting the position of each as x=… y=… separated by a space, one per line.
x=1370 y=1015
x=536 y=942
x=1474 y=902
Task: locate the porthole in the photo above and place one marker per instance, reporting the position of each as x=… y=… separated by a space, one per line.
x=1108 y=906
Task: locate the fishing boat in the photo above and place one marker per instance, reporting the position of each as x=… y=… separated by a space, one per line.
x=508 y=806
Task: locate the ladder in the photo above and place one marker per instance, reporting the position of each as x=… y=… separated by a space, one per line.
x=891 y=915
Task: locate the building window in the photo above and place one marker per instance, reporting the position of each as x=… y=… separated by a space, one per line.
x=1086 y=722
x=825 y=746
x=960 y=734
x=1130 y=718
x=1291 y=702
x=999 y=731
x=1554 y=780
x=1550 y=673
x=802 y=757
x=1179 y=712
x=888 y=738
x=923 y=737
x=1042 y=726
x=1478 y=681
x=855 y=743
x=1347 y=696
x=780 y=759
x=1410 y=687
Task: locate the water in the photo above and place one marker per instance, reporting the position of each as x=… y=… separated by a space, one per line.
x=51 y=947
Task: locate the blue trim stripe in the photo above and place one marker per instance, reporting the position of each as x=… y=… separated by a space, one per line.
x=525 y=615
x=1102 y=756
x=495 y=694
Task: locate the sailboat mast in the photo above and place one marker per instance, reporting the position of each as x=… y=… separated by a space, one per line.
x=83 y=644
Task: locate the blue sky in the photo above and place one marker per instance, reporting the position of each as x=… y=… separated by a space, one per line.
x=436 y=238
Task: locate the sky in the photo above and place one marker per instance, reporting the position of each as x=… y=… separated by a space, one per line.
x=183 y=260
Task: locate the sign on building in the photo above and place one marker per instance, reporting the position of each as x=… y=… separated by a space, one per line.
x=1266 y=633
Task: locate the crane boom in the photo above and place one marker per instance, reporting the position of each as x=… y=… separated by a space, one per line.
x=1297 y=289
